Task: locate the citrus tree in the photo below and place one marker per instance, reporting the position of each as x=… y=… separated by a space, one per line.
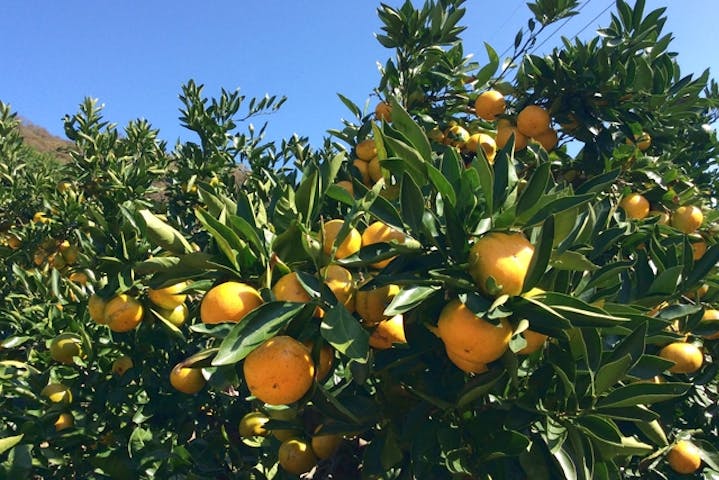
x=502 y=271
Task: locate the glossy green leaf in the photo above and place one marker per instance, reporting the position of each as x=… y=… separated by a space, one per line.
x=345 y=334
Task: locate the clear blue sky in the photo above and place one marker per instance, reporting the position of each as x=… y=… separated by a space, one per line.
x=133 y=55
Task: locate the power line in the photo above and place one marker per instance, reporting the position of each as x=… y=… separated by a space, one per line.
x=592 y=20
x=562 y=25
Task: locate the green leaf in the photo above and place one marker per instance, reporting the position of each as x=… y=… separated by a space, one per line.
x=702 y=268
x=480 y=386
x=490 y=68
x=412 y=161
x=345 y=334
x=411 y=204
x=413 y=132
x=442 y=185
x=409 y=298
x=666 y=282
x=7 y=443
x=541 y=256
x=610 y=373
x=556 y=206
x=161 y=234
x=259 y=325
x=599 y=428
x=227 y=240
x=535 y=189
x=307 y=194
x=599 y=183
x=573 y=261
x=486 y=180
x=632 y=345
x=643 y=393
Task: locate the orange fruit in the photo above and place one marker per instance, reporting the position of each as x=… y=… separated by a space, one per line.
x=325 y=361
x=370 y=304
x=123 y=313
x=489 y=105
x=466 y=365
x=40 y=217
x=642 y=142
x=366 y=150
x=383 y=111
x=253 y=425
x=347 y=185
x=324 y=445
x=533 y=120
x=687 y=358
x=485 y=142
x=13 y=242
x=711 y=318
x=339 y=280
x=380 y=232
x=663 y=216
x=635 y=206
x=289 y=289
x=69 y=252
x=228 y=302
x=684 y=457
x=699 y=248
x=535 y=341
x=387 y=333
x=64 y=421
x=503 y=256
x=279 y=371
x=456 y=136
x=363 y=168
x=177 y=315
x=57 y=393
x=96 y=308
x=687 y=218
x=121 y=365
x=187 y=380
x=65 y=347
x=547 y=139
x=505 y=131
x=296 y=456
x=470 y=338
x=374 y=168
x=350 y=244
x=169 y=297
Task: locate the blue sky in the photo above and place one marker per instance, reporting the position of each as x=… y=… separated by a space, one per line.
x=134 y=55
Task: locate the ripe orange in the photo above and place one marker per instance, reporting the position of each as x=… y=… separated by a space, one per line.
x=548 y=139
x=366 y=150
x=470 y=338
x=485 y=142
x=64 y=421
x=489 y=105
x=380 y=232
x=347 y=185
x=187 y=380
x=505 y=131
x=57 y=393
x=66 y=346
x=279 y=371
x=503 y=256
x=535 y=341
x=325 y=361
x=456 y=136
x=123 y=313
x=635 y=206
x=687 y=358
x=642 y=142
x=466 y=365
x=289 y=289
x=374 y=168
x=228 y=302
x=169 y=297
x=370 y=304
x=684 y=457
x=711 y=319
x=363 y=168
x=325 y=445
x=533 y=120
x=699 y=248
x=350 y=245
x=177 y=315
x=339 y=280
x=96 y=308
x=387 y=333
x=13 y=242
x=296 y=456
x=121 y=365
x=253 y=425
x=687 y=218
x=383 y=111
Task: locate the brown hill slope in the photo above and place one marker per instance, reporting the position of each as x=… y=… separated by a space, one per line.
x=43 y=141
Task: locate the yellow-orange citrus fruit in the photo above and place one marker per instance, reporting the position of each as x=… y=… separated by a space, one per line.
x=469 y=337
x=13 y=242
x=339 y=280
x=699 y=292
x=547 y=139
x=370 y=304
x=505 y=131
x=663 y=216
x=374 y=169
x=40 y=217
x=535 y=341
x=69 y=252
x=350 y=244
x=64 y=347
x=347 y=185
x=503 y=256
x=635 y=206
x=64 y=421
x=533 y=120
x=684 y=457
x=169 y=297
x=121 y=365
x=63 y=186
x=177 y=315
x=466 y=365
x=699 y=248
x=57 y=393
x=363 y=168
x=253 y=425
x=228 y=302
x=485 y=142
x=57 y=261
x=710 y=318
x=325 y=361
x=123 y=313
x=96 y=308
x=383 y=111
x=456 y=136
x=324 y=445
x=187 y=380
x=489 y=105
x=380 y=232
x=642 y=142
x=366 y=150
x=687 y=218
x=279 y=371
x=388 y=332
x=289 y=289
x=296 y=456
x=687 y=358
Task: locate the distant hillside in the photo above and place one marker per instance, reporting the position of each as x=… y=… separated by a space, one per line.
x=43 y=141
